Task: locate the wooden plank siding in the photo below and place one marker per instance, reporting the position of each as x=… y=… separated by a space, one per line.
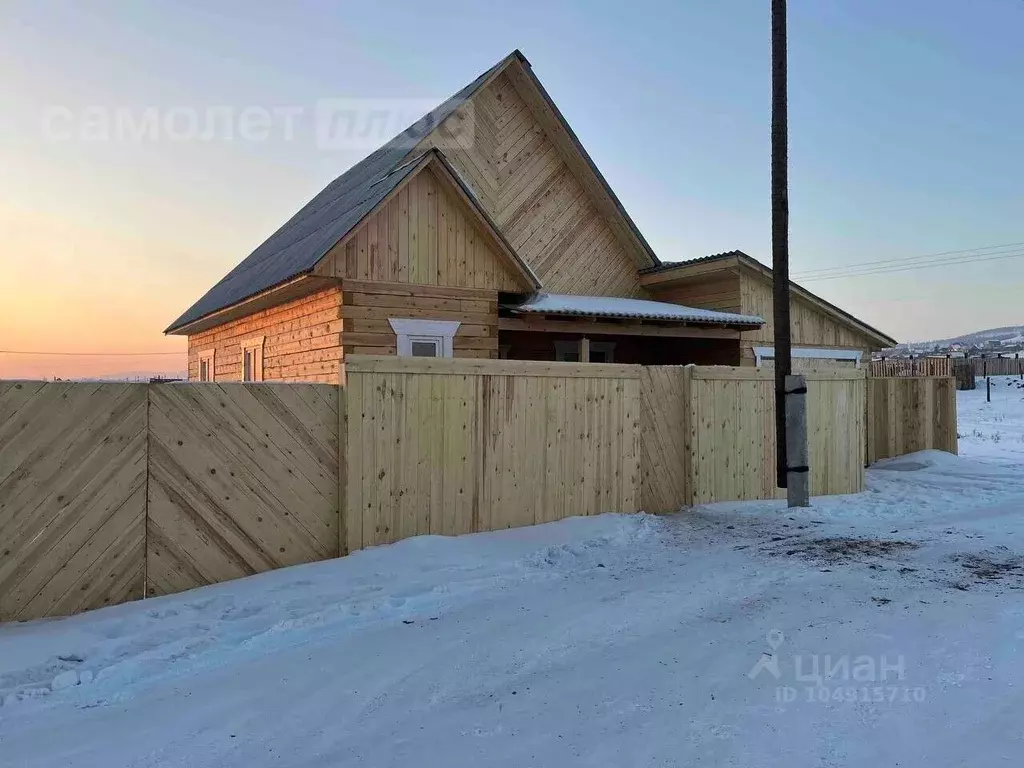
x=369 y=305
x=243 y=478
x=302 y=341
x=811 y=327
x=72 y=496
x=542 y=205
x=423 y=235
x=719 y=291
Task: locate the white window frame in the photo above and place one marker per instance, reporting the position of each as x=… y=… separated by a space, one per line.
x=440 y=332
x=209 y=357
x=254 y=345
x=768 y=353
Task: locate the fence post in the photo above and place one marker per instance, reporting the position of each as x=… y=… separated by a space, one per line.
x=798 y=473
x=988 y=389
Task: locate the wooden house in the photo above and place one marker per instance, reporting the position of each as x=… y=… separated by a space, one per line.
x=486 y=230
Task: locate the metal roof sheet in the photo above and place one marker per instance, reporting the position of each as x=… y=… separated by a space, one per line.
x=640 y=309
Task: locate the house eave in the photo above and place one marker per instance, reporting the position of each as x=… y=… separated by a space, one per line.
x=293 y=288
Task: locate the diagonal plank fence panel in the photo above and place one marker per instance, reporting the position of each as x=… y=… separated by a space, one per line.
x=72 y=496
x=243 y=478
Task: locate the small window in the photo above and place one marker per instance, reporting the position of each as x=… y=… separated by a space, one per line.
x=424 y=338
x=252 y=359
x=425 y=347
x=206 y=370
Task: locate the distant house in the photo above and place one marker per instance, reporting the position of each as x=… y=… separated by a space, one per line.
x=485 y=230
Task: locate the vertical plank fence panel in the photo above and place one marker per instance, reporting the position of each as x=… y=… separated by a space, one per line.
x=905 y=415
x=733 y=446
x=459 y=446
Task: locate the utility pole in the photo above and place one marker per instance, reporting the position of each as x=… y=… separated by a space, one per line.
x=792 y=469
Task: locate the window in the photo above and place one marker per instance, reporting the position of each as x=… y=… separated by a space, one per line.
x=567 y=351
x=424 y=338
x=830 y=356
x=602 y=351
x=252 y=359
x=206 y=370
x=425 y=347
x=597 y=351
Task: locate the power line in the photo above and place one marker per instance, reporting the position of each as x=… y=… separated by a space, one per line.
x=925 y=265
x=88 y=354
x=926 y=256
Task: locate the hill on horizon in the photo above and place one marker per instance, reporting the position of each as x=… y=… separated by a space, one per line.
x=1008 y=334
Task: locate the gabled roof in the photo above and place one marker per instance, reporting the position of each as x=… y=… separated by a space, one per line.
x=706 y=264
x=638 y=309
x=297 y=247
x=308 y=235
x=668 y=266
x=448 y=174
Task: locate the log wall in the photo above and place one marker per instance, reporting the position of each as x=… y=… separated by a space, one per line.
x=301 y=341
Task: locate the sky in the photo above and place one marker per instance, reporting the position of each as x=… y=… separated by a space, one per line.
x=905 y=139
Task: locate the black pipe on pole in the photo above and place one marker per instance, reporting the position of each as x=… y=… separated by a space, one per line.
x=780 y=231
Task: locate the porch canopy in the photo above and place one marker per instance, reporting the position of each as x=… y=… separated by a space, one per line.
x=549 y=326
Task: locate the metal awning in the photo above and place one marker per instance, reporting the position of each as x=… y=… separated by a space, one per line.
x=627 y=309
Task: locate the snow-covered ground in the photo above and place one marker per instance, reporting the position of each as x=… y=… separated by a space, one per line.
x=885 y=628
x=995 y=430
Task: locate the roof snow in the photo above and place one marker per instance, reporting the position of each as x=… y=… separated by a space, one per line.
x=640 y=309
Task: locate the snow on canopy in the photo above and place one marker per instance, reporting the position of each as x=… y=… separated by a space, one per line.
x=641 y=309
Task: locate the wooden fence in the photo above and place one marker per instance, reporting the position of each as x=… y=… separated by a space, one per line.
x=243 y=478
x=910 y=367
x=717 y=442
x=907 y=415
x=944 y=366
x=997 y=366
x=72 y=496
x=457 y=446
x=109 y=492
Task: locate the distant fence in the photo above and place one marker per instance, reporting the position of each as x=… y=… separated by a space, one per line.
x=111 y=492
x=910 y=367
x=997 y=366
x=717 y=442
x=907 y=415
x=944 y=366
